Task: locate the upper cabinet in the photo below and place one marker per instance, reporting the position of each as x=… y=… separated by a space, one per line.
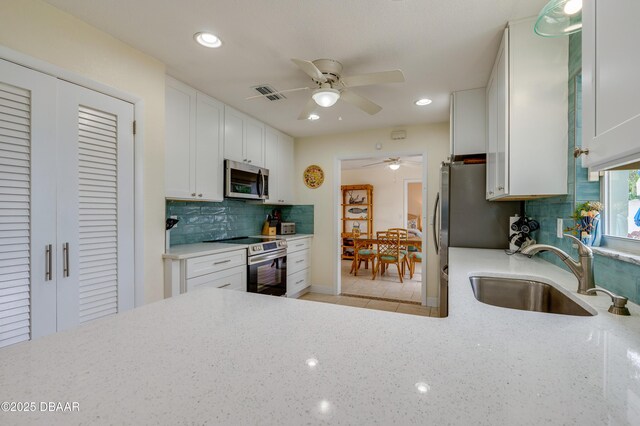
x=610 y=84
x=279 y=161
x=468 y=122
x=244 y=138
x=527 y=104
x=194 y=144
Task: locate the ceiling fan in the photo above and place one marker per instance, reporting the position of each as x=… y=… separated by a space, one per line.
x=332 y=85
x=394 y=163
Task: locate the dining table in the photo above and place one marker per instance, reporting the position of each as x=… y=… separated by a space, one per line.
x=365 y=241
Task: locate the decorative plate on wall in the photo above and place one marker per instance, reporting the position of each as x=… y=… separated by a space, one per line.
x=313 y=176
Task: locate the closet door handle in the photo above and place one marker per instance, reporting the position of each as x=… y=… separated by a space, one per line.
x=47 y=262
x=65 y=260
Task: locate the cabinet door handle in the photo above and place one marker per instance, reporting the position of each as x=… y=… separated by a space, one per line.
x=299 y=245
x=65 y=260
x=249 y=161
x=298 y=282
x=193 y=194
x=500 y=188
x=490 y=192
x=226 y=285
x=47 y=262
x=222 y=261
x=199 y=195
x=301 y=260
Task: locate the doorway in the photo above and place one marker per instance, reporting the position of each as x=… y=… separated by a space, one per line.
x=389 y=176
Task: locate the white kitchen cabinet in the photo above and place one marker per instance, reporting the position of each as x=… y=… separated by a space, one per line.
x=527 y=104
x=298 y=266
x=193 y=145
x=279 y=161
x=610 y=85
x=468 y=122
x=66 y=203
x=244 y=138
x=222 y=270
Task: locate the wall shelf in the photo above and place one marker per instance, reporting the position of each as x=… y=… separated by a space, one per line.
x=365 y=224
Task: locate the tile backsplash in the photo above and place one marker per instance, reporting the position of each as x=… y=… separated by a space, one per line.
x=620 y=277
x=201 y=221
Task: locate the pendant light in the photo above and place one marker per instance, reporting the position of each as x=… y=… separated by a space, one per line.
x=559 y=18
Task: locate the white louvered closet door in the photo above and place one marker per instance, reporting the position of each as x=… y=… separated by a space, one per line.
x=27 y=203
x=95 y=205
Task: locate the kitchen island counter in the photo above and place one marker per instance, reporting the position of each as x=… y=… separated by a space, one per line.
x=223 y=357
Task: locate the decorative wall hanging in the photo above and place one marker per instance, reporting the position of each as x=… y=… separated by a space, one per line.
x=313 y=176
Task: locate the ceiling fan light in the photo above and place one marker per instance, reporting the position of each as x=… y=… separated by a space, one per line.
x=394 y=166
x=326 y=97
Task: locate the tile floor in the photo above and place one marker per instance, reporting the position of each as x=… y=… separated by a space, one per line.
x=381 y=305
x=387 y=286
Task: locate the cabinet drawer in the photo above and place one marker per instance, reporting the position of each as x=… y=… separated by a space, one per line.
x=298 y=261
x=297 y=245
x=216 y=262
x=298 y=282
x=229 y=279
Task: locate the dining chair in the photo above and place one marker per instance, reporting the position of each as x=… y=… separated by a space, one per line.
x=389 y=253
x=365 y=254
x=405 y=248
x=414 y=257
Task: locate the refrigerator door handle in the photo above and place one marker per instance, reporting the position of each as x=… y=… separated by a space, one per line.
x=436 y=231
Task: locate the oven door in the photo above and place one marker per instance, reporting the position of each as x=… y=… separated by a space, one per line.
x=267 y=273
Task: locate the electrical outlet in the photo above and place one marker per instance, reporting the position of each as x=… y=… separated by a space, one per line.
x=560 y=228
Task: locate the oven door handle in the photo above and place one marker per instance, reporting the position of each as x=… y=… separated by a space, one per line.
x=266 y=257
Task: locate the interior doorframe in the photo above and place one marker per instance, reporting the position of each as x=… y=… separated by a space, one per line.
x=35 y=64
x=337 y=222
x=406 y=199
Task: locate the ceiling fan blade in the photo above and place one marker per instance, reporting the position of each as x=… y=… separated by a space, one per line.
x=276 y=93
x=374 y=164
x=310 y=69
x=361 y=102
x=308 y=109
x=395 y=76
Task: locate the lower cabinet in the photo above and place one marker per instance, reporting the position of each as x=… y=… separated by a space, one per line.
x=230 y=279
x=226 y=270
x=298 y=267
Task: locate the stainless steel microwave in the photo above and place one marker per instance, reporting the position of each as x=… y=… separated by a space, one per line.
x=242 y=180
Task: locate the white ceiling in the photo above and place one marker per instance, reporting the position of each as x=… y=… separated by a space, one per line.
x=359 y=163
x=441 y=46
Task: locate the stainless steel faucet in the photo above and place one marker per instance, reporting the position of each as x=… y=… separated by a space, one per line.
x=582 y=268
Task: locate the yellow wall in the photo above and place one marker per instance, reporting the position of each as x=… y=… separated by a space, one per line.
x=39 y=30
x=432 y=139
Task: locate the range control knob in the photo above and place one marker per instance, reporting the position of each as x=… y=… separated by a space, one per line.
x=256 y=248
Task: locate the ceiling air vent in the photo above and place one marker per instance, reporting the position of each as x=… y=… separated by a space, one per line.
x=269 y=92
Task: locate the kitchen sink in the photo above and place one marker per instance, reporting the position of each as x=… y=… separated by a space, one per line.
x=526 y=295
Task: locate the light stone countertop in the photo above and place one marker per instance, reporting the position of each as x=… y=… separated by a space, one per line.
x=223 y=357
x=186 y=251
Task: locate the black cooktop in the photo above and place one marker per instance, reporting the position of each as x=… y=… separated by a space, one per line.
x=241 y=240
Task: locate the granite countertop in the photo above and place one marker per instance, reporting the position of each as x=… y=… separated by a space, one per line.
x=186 y=251
x=224 y=357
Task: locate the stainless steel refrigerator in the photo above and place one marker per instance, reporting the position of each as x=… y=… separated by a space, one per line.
x=464 y=218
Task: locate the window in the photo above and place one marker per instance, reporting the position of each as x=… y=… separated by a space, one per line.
x=622 y=204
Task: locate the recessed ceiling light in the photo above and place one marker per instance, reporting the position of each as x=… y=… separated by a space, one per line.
x=313 y=117
x=208 y=40
x=422 y=387
x=312 y=362
x=423 y=102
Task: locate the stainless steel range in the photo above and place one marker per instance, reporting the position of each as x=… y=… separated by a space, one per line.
x=266 y=264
